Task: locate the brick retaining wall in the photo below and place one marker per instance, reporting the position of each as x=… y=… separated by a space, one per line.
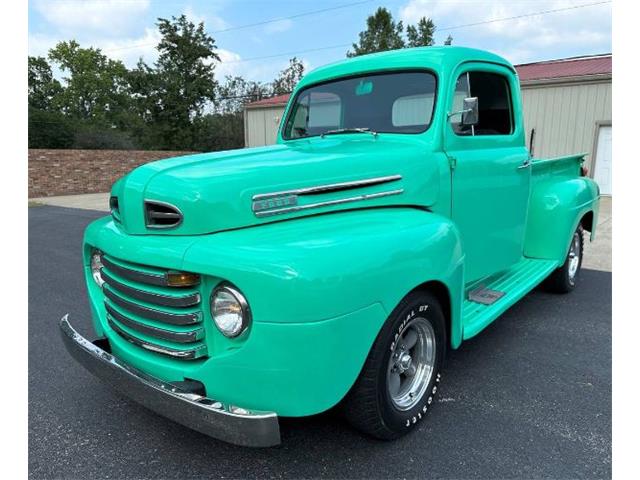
x=68 y=172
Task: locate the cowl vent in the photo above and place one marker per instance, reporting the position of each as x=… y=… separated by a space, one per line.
x=160 y=215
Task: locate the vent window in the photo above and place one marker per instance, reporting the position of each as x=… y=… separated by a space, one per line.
x=161 y=215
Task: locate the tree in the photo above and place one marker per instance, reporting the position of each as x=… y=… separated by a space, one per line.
x=175 y=91
x=96 y=87
x=289 y=77
x=235 y=92
x=382 y=33
x=42 y=86
x=50 y=129
x=422 y=34
x=449 y=40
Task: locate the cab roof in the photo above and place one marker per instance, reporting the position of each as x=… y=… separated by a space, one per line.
x=439 y=59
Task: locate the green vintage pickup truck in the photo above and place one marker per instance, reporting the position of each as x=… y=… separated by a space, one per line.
x=399 y=214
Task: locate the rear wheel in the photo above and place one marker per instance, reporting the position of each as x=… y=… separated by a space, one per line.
x=564 y=278
x=401 y=375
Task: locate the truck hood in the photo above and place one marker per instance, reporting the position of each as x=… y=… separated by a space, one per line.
x=239 y=188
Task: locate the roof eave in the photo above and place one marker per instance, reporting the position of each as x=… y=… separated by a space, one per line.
x=600 y=77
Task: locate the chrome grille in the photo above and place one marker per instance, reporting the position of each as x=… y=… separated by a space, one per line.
x=144 y=310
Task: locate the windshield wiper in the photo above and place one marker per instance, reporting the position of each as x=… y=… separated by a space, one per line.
x=339 y=131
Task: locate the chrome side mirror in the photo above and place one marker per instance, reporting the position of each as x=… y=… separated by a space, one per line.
x=470 y=112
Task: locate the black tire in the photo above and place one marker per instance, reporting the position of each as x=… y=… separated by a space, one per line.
x=369 y=405
x=561 y=279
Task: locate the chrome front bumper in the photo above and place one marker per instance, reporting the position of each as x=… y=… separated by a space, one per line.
x=224 y=422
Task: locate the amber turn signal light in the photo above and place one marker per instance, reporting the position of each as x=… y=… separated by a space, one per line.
x=182 y=279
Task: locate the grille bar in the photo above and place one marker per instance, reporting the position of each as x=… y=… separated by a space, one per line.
x=151 y=297
x=153 y=308
x=135 y=275
x=150 y=313
x=170 y=335
x=190 y=354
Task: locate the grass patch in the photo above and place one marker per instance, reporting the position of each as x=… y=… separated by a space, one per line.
x=35 y=204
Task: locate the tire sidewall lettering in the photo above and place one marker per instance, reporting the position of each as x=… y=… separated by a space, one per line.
x=403 y=324
x=410 y=418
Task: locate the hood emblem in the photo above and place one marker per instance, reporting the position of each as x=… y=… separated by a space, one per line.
x=279 y=203
x=274 y=203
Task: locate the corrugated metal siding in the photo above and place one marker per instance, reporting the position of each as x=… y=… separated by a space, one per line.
x=262 y=125
x=565 y=117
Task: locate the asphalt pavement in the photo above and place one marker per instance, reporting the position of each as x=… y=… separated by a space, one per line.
x=528 y=397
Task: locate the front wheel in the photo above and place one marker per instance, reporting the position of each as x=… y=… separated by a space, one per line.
x=401 y=375
x=564 y=278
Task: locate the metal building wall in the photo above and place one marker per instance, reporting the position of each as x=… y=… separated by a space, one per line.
x=566 y=117
x=261 y=125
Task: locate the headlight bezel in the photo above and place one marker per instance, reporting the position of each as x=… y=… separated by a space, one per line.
x=245 y=309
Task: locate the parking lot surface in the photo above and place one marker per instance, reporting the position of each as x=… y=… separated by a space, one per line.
x=528 y=397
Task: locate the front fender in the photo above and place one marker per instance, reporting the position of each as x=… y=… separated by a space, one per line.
x=322 y=267
x=555 y=210
x=320 y=289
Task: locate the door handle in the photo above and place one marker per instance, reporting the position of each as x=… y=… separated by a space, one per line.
x=526 y=164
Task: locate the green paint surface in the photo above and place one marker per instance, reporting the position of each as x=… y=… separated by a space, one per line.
x=321 y=282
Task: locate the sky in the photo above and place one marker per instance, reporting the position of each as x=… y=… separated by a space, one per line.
x=255 y=38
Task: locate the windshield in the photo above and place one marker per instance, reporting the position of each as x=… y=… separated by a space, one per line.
x=391 y=102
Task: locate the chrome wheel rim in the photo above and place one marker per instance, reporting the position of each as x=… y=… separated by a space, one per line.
x=574 y=256
x=411 y=365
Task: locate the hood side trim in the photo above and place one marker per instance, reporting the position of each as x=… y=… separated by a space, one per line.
x=297 y=208
x=333 y=187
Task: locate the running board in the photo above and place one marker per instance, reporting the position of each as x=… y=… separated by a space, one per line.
x=514 y=284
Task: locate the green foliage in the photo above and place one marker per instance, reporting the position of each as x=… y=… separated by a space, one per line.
x=96 y=137
x=219 y=132
x=182 y=82
x=289 y=77
x=382 y=34
x=49 y=129
x=96 y=86
x=422 y=34
x=235 y=92
x=42 y=86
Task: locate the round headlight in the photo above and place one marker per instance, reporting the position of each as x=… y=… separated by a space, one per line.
x=230 y=311
x=96 y=266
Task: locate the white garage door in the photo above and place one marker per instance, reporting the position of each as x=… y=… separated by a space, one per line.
x=602 y=173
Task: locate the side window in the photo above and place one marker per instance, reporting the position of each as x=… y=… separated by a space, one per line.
x=495 y=114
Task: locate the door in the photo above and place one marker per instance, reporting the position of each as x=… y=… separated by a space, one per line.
x=491 y=173
x=602 y=173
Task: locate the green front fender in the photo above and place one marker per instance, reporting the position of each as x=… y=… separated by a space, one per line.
x=320 y=289
x=555 y=210
x=324 y=266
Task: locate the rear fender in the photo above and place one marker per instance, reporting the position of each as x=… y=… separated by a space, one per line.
x=555 y=210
